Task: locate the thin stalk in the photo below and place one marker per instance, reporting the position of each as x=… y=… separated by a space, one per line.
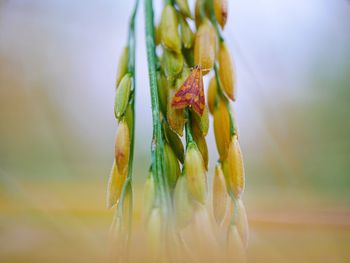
x=132 y=40
x=188 y=129
x=157 y=141
x=131 y=70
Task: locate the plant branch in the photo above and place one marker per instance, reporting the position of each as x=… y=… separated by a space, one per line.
x=132 y=40
x=157 y=141
x=128 y=181
x=131 y=70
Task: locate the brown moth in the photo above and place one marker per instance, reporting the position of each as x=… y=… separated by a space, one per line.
x=191 y=92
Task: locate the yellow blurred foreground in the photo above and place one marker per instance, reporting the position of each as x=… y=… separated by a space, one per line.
x=67 y=222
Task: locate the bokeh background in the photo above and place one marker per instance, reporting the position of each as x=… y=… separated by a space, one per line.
x=58 y=61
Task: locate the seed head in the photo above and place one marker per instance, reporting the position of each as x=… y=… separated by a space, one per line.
x=114 y=186
x=172 y=64
x=122 y=66
x=189 y=56
x=187 y=35
x=212 y=92
x=241 y=221
x=221 y=11
x=169 y=29
x=220 y=197
x=162 y=91
x=182 y=77
x=235 y=246
x=202 y=121
x=175 y=142
x=233 y=168
x=199 y=138
x=184 y=7
x=122 y=96
x=205 y=46
x=122 y=147
x=148 y=196
x=172 y=165
x=222 y=129
x=195 y=173
x=197 y=15
x=154 y=231
x=182 y=203
x=226 y=71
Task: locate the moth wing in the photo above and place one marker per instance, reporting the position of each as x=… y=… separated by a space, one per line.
x=198 y=102
x=183 y=97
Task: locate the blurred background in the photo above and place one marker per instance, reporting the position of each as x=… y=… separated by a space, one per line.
x=58 y=62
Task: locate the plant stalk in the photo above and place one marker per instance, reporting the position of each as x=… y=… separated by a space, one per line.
x=128 y=181
x=157 y=140
x=131 y=70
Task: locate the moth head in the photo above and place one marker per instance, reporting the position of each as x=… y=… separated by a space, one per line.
x=199 y=67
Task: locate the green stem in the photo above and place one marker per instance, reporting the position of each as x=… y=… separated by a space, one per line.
x=131 y=70
x=132 y=40
x=189 y=137
x=157 y=141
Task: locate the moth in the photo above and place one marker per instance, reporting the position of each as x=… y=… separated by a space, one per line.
x=191 y=92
